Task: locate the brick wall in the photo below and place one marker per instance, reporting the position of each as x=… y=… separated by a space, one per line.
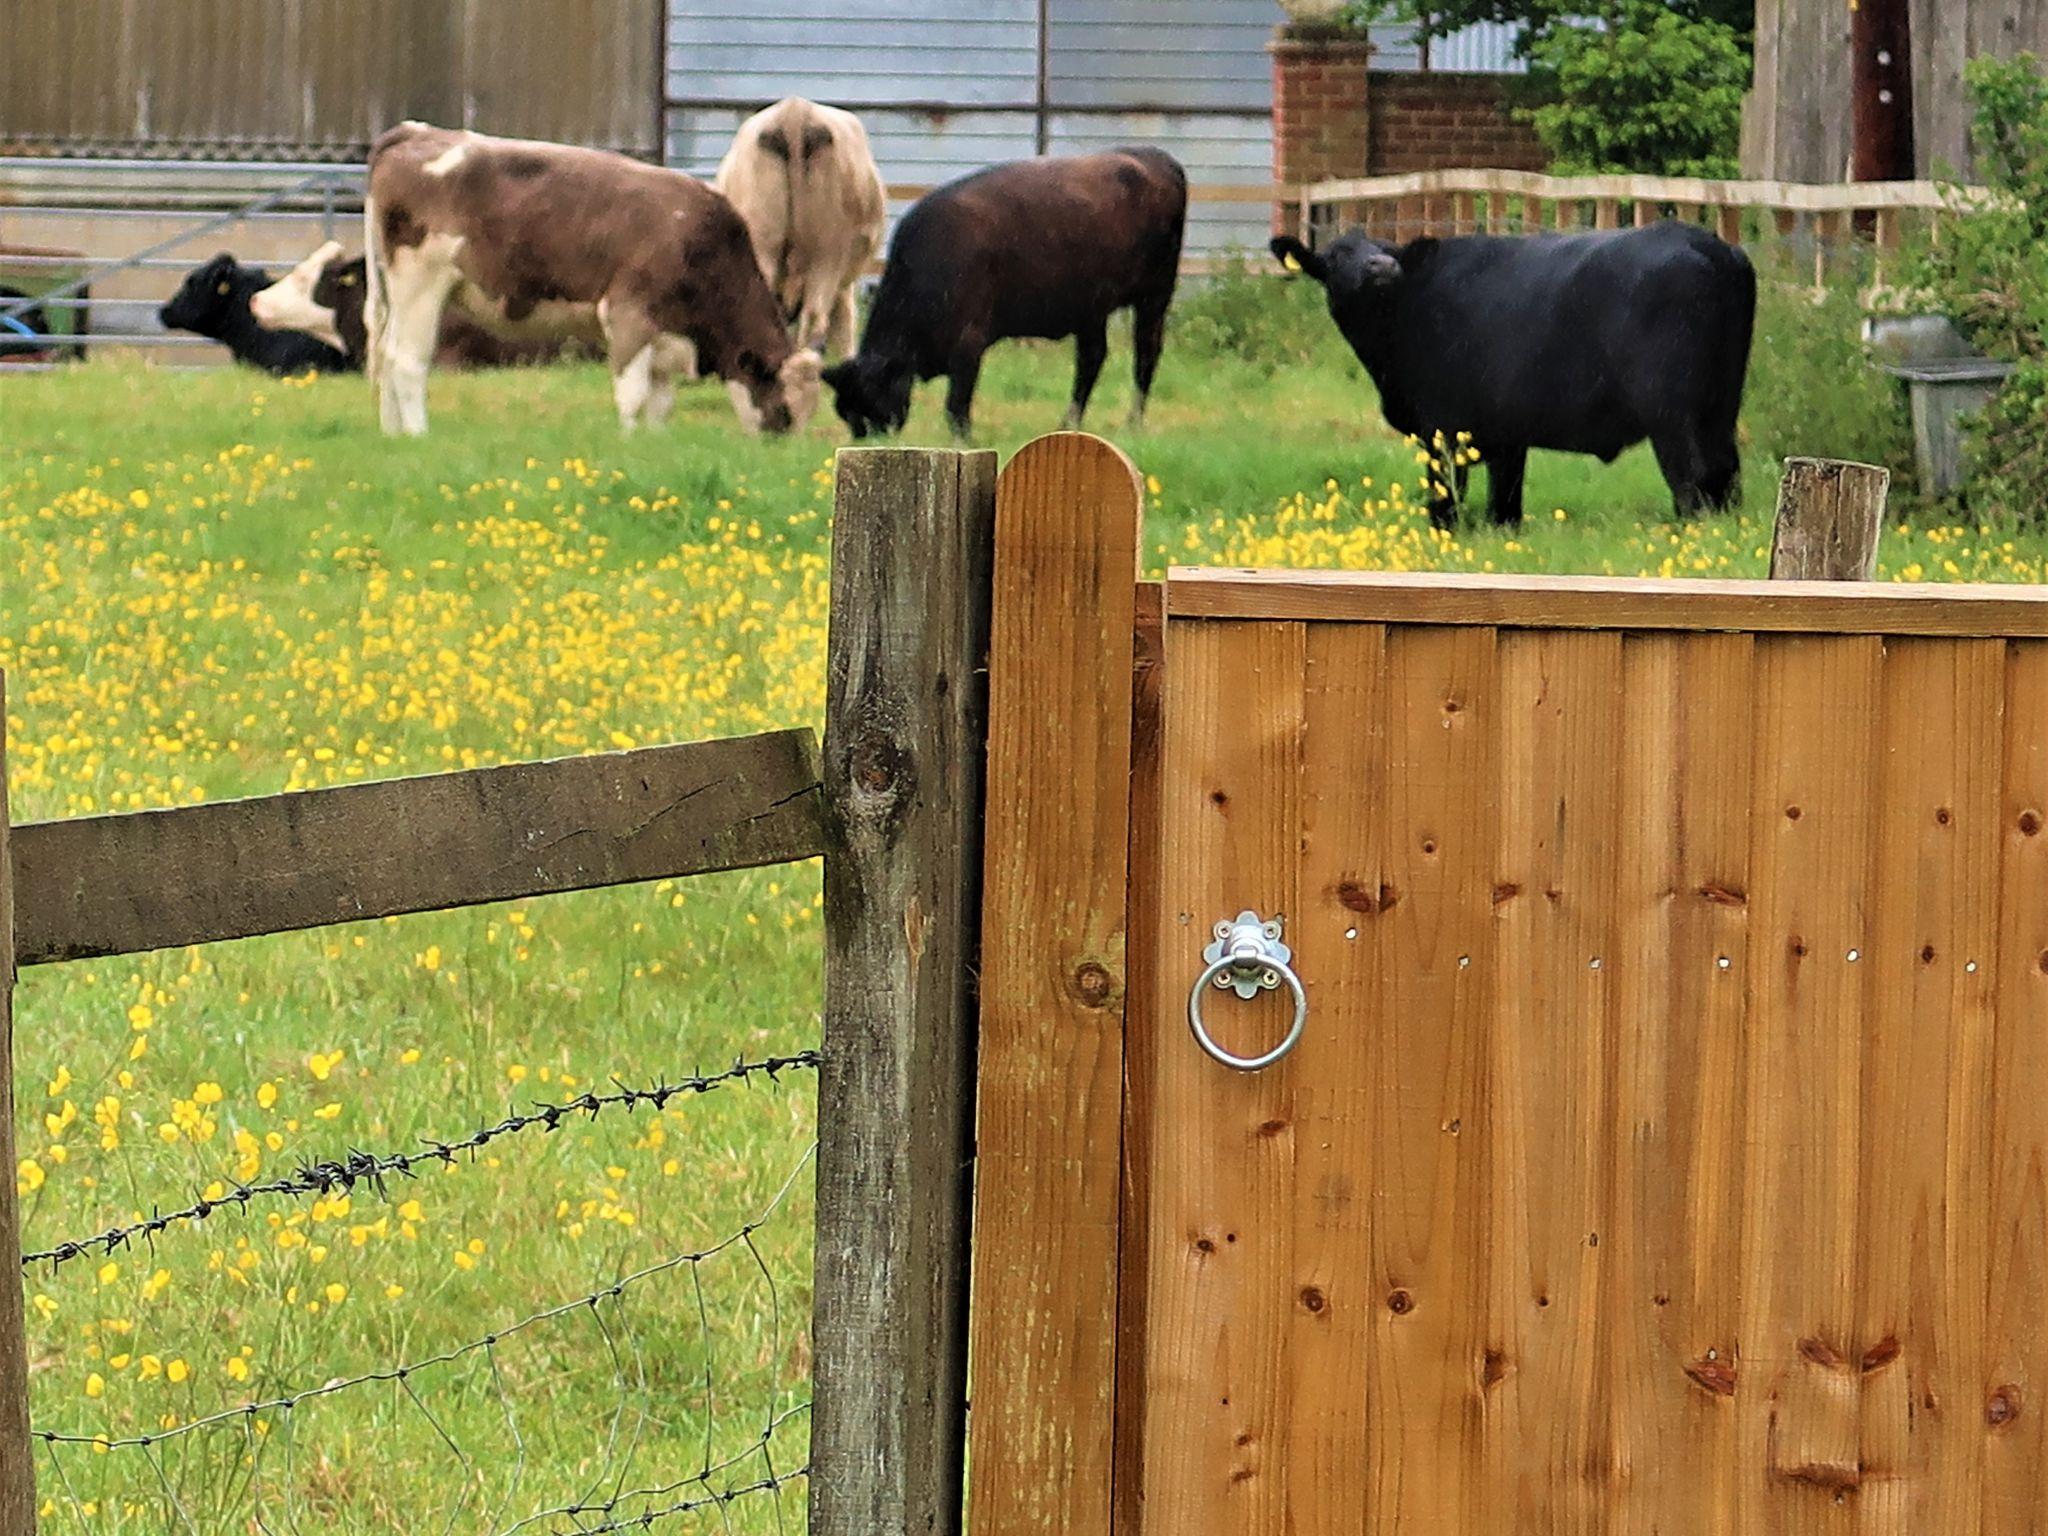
x=1435 y=121
x=1320 y=123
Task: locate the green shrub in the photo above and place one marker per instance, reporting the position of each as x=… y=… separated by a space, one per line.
x=1987 y=272
x=1813 y=389
x=1246 y=310
x=1653 y=92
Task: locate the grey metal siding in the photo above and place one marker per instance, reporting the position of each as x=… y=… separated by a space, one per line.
x=1160 y=53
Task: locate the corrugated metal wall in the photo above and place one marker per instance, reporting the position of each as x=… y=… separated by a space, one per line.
x=317 y=79
x=948 y=86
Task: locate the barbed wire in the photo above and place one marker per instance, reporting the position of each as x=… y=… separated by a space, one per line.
x=401 y=1374
x=357 y=1167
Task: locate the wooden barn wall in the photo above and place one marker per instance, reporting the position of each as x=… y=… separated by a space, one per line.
x=1795 y=124
x=317 y=79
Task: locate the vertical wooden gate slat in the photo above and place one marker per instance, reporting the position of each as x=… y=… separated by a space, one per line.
x=1217 y=1451
x=1334 y=1306
x=1049 y=1120
x=1431 y=1372
x=1676 y=1138
x=1934 y=883
x=17 y=1465
x=1145 y=986
x=1816 y=708
x=2011 y=1403
x=1560 y=731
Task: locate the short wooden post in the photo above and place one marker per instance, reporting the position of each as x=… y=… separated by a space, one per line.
x=1647 y=212
x=1606 y=213
x=1728 y=224
x=1830 y=514
x=17 y=1461
x=905 y=726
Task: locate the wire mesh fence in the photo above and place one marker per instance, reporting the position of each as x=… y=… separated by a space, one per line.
x=670 y=1393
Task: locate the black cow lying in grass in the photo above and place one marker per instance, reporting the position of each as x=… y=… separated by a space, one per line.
x=1587 y=343
x=1045 y=248
x=214 y=302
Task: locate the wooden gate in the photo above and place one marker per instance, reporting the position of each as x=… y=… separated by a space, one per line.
x=1666 y=1149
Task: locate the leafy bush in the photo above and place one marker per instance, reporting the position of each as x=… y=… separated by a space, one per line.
x=1246 y=311
x=1653 y=92
x=1812 y=388
x=1987 y=273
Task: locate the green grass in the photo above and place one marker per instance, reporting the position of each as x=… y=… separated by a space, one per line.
x=218 y=585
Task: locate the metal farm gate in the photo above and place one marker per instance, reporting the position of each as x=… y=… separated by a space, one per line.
x=1494 y=1054
x=949 y=86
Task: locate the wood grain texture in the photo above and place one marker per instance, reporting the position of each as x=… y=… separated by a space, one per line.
x=1149 y=979
x=1334 y=1307
x=1817 y=705
x=2009 y=1412
x=1924 y=1229
x=17 y=1457
x=906 y=716
x=1433 y=1372
x=1560 y=730
x=1683 y=894
x=114 y=885
x=1048 y=1176
x=1609 y=602
x=1830 y=516
x=1219 y=1458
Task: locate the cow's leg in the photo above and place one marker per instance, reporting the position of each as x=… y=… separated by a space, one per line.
x=961 y=376
x=1504 y=485
x=1091 y=346
x=1148 y=336
x=1723 y=479
x=416 y=287
x=1684 y=466
x=840 y=335
x=671 y=358
x=630 y=345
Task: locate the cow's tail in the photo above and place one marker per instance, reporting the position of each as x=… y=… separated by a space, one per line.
x=374 y=315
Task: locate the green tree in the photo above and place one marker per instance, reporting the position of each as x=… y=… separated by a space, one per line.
x=1651 y=91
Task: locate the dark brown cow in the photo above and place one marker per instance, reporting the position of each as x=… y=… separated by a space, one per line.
x=1046 y=248
x=528 y=238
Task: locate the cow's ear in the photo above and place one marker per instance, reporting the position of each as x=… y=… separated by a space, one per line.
x=1417 y=252
x=1297 y=257
x=840 y=374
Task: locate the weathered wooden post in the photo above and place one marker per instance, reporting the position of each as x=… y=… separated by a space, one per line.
x=905 y=732
x=17 y=1464
x=1830 y=514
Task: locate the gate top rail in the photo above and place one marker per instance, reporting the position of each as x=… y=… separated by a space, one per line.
x=1782 y=196
x=1962 y=610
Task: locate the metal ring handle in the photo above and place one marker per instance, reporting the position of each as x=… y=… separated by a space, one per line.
x=1201 y=1030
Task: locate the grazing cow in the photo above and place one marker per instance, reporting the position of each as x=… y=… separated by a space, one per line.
x=1034 y=248
x=324 y=294
x=527 y=238
x=803 y=178
x=1586 y=343
x=214 y=302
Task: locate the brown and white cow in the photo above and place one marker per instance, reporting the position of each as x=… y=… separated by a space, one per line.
x=529 y=238
x=804 y=179
x=324 y=295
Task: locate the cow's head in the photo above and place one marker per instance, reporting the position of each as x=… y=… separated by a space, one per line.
x=776 y=400
x=292 y=303
x=1356 y=271
x=870 y=395
x=210 y=296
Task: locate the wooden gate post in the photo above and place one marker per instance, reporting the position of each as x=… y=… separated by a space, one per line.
x=17 y=1464
x=906 y=718
x=1830 y=514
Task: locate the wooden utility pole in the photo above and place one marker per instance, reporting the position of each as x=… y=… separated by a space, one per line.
x=17 y=1462
x=1881 y=91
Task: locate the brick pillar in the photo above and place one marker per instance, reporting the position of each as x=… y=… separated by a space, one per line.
x=1320 y=127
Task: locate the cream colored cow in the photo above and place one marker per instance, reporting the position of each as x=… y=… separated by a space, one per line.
x=803 y=178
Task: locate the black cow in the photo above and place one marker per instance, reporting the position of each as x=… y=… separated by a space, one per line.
x=1586 y=343
x=1045 y=248
x=214 y=302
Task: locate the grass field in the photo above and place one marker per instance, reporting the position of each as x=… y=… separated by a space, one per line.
x=220 y=585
